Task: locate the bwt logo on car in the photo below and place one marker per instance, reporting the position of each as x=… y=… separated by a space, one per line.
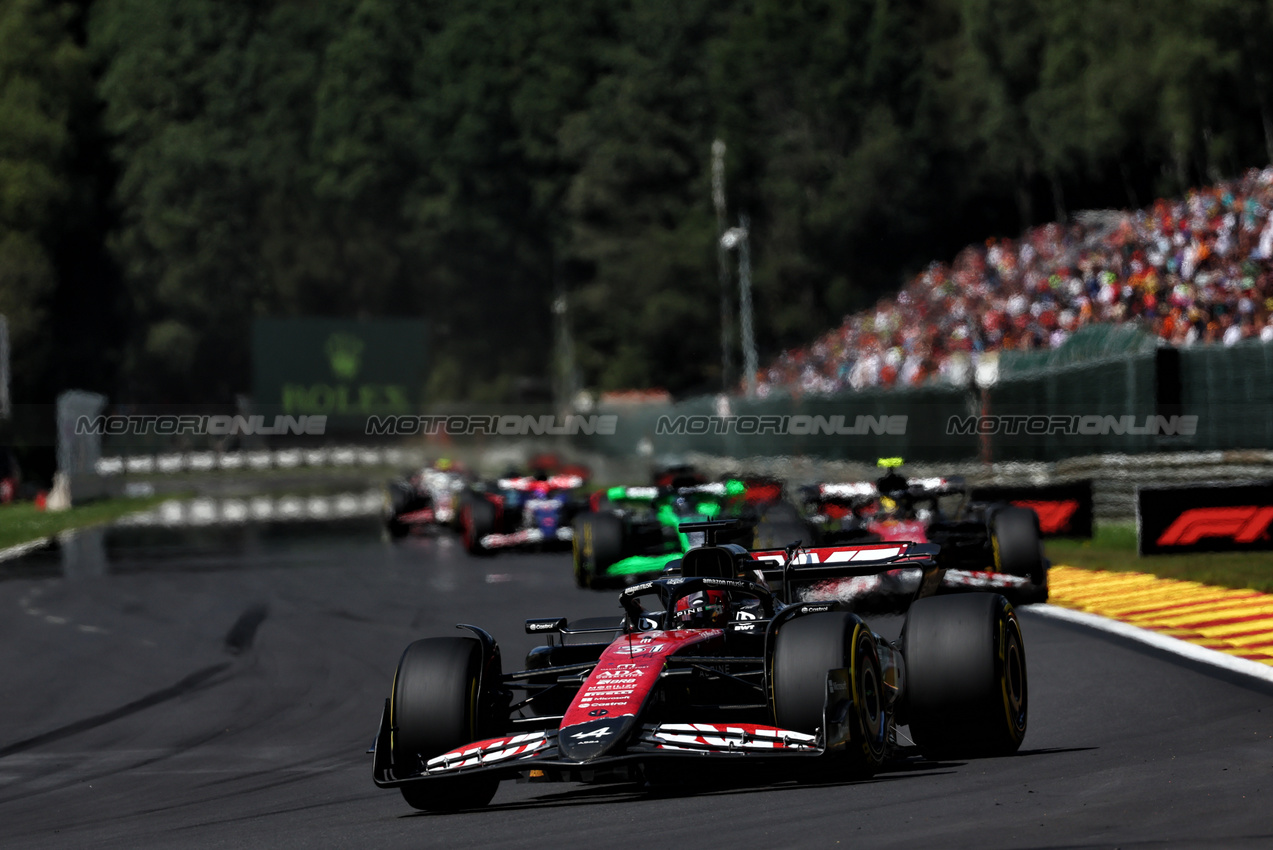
x=199 y=425
x=1073 y=426
x=504 y=426
x=784 y=426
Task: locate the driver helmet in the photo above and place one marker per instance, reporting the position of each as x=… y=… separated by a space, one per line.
x=702 y=609
x=893 y=484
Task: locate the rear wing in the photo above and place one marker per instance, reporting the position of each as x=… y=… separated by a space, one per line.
x=861 y=559
x=792 y=566
x=862 y=491
x=763 y=490
x=796 y=564
x=937 y=486
x=556 y=482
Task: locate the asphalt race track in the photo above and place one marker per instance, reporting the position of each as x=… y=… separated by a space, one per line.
x=220 y=688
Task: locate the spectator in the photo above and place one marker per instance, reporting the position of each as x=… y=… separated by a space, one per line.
x=1194 y=271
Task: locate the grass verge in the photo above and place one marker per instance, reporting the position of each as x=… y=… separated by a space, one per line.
x=1113 y=547
x=22 y=523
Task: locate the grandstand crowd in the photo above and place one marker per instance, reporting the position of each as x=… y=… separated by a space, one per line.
x=1192 y=271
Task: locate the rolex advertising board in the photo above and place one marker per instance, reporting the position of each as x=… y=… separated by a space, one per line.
x=343 y=369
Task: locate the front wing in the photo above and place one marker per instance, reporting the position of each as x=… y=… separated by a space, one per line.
x=512 y=755
x=527 y=537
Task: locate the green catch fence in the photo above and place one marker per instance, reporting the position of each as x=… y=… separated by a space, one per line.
x=1108 y=390
x=1231 y=391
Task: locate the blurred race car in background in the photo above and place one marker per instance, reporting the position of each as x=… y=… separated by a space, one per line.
x=984 y=545
x=675 y=475
x=520 y=511
x=712 y=667
x=631 y=533
x=427 y=499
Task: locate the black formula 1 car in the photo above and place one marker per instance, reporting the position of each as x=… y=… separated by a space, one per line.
x=984 y=545
x=710 y=666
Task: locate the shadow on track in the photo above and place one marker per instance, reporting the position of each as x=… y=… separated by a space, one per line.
x=635 y=791
x=907 y=768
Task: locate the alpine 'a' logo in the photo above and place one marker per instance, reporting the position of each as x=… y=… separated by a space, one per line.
x=1053 y=516
x=1244 y=524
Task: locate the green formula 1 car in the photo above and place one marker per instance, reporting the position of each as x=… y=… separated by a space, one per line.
x=632 y=533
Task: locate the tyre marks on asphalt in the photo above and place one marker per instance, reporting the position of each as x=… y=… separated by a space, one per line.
x=195 y=681
x=243 y=632
x=1235 y=622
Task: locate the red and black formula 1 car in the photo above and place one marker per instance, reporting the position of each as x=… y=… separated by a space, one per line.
x=711 y=666
x=984 y=545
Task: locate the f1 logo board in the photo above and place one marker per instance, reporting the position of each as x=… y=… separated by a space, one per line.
x=1206 y=518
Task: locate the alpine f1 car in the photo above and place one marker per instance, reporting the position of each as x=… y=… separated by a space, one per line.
x=984 y=545
x=632 y=533
x=426 y=499
x=711 y=665
x=520 y=511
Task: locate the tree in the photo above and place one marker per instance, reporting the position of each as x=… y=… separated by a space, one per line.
x=43 y=85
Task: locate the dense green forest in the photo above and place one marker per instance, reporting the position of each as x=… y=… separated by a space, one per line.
x=171 y=169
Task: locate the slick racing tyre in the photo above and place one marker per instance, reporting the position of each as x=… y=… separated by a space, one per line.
x=1017 y=545
x=478 y=520
x=598 y=543
x=434 y=709
x=967 y=694
x=805 y=649
x=396 y=501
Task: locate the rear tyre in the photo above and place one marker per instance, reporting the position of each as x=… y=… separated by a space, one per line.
x=1017 y=544
x=477 y=521
x=967 y=693
x=598 y=543
x=806 y=648
x=434 y=708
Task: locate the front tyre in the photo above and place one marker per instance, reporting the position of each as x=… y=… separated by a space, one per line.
x=434 y=708
x=597 y=543
x=967 y=693
x=806 y=648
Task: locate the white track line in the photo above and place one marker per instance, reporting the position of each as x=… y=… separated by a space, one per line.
x=1183 y=648
x=23 y=548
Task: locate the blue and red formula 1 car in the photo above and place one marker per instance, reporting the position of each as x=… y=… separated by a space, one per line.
x=711 y=665
x=521 y=511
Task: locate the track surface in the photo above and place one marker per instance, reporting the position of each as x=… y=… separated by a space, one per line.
x=219 y=689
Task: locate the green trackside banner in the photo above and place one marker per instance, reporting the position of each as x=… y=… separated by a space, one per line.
x=344 y=369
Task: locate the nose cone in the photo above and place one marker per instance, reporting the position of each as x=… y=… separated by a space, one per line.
x=595 y=738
